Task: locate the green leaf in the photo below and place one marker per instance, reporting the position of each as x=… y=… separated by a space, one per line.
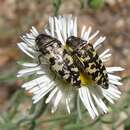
x=96 y=4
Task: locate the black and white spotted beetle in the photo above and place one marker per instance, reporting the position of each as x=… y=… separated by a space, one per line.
x=61 y=63
x=87 y=60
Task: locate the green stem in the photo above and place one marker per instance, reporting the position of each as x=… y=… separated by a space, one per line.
x=39 y=110
x=58 y=118
x=125 y=78
x=14 y=104
x=53 y=119
x=33 y=125
x=80 y=125
x=56 y=6
x=82 y=4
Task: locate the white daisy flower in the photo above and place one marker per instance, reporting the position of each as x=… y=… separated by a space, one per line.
x=44 y=84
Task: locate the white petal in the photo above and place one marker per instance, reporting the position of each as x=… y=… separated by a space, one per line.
x=75 y=27
x=47 y=31
x=43 y=87
x=28 y=41
x=100 y=103
x=25 y=50
x=82 y=32
x=69 y=25
x=57 y=101
x=36 y=88
x=99 y=41
x=115 y=82
x=41 y=72
x=91 y=102
x=67 y=105
x=114 y=69
x=111 y=94
x=114 y=77
x=29 y=64
x=42 y=93
x=84 y=97
x=105 y=60
x=51 y=23
x=39 y=87
x=64 y=27
x=34 y=31
x=93 y=35
x=78 y=107
x=106 y=56
x=28 y=71
x=104 y=53
x=30 y=36
x=29 y=49
x=51 y=95
x=87 y=34
x=114 y=90
x=108 y=98
x=57 y=30
x=35 y=82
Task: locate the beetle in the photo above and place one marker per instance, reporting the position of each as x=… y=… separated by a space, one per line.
x=87 y=60
x=60 y=62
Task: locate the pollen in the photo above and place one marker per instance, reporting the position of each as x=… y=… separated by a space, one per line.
x=85 y=79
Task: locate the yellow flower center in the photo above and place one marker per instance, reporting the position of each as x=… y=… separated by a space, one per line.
x=85 y=79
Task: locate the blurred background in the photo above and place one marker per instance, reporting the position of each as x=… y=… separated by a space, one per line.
x=111 y=17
